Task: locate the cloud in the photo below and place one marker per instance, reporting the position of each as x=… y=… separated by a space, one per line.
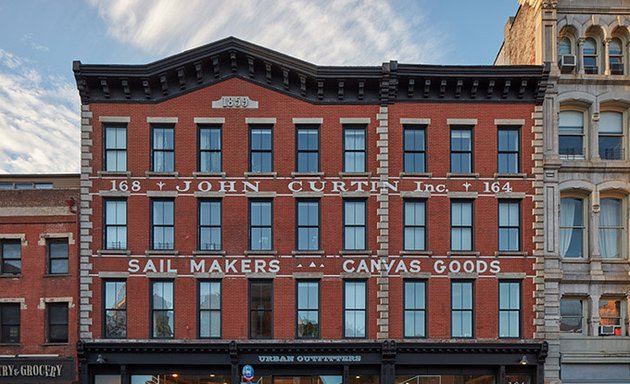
x=39 y=129
x=327 y=32
x=28 y=39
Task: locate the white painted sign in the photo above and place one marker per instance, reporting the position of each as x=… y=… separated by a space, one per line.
x=235 y=102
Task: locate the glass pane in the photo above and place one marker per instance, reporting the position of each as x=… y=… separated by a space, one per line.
x=571 y=212
x=611 y=122
x=414 y=140
x=571 y=123
x=59 y=266
x=461 y=140
x=163 y=322
x=564 y=46
x=115 y=324
x=308 y=139
x=590 y=47
x=354 y=139
x=11 y=250
x=610 y=147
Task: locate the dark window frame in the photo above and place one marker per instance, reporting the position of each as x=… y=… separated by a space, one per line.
x=519 y=310
x=364 y=310
x=583 y=324
x=210 y=310
x=153 y=226
x=422 y=152
x=200 y=151
x=509 y=128
x=298 y=309
x=611 y=153
x=472 y=224
x=210 y=226
x=115 y=150
x=50 y=257
x=154 y=151
x=508 y=227
x=106 y=309
x=5 y=325
x=424 y=310
x=106 y=225
x=317 y=128
x=364 y=128
x=572 y=152
x=471 y=310
x=250 y=310
x=262 y=151
x=364 y=226
x=250 y=226
x=3 y=258
x=469 y=128
x=50 y=324
x=405 y=226
x=152 y=309
x=298 y=226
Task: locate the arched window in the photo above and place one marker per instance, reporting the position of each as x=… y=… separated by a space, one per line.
x=572 y=229
x=615 y=53
x=610 y=227
x=564 y=47
x=611 y=136
x=590 y=56
x=571 y=134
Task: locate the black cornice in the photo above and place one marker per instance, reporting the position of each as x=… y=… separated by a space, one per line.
x=231 y=57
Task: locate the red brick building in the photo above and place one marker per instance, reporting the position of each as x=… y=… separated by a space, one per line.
x=326 y=224
x=39 y=270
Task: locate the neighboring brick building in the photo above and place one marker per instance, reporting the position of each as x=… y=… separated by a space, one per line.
x=587 y=182
x=321 y=224
x=38 y=278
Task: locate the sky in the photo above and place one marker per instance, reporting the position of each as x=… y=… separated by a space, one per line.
x=39 y=39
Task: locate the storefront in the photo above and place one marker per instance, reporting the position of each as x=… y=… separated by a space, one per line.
x=312 y=363
x=27 y=370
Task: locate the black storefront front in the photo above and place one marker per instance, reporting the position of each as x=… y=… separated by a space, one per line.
x=333 y=362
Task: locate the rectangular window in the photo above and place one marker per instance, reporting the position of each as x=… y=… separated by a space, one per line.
x=115 y=326
x=354 y=156
x=461 y=150
x=509 y=225
x=162 y=224
x=163 y=151
x=307 y=225
x=611 y=136
x=209 y=309
x=415 y=309
x=610 y=315
x=162 y=309
x=509 y=309
x=571 y=227
x=462 y=309
x=11 y=257
x=461 y=225
x=508 y=150
x=261 y=309
x=209 y=225
x=414 y=148
x=308 y=309
x=354 y=225
x=415 y=225
x=307 y=148
x=57 y=250
x=611 y=228
x=355 y=309
x=260 y=225
x=115 y=226
x=260 y=148
x=9 y=323
x=57 y=322
x=571 y=134
x=571 y=315
x=209 y=149
x=115 y=148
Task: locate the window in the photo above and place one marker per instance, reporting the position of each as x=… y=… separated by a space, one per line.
x=571 y=134
x=11 y=257
x=415 y=225
x=115 y=326
x=461 y=225
x=57 y=322
x=354 y=225
x=571 y=316
x=571 y=227
x=590 y=56
x=209 y=309
x=307 y=225
x=163 y=152
x=610 y=322
x=414 y=148
x=415 y=309
x=611 y=136
x=9 y=323
x=354 y=309
x=509 y=309
x=260 y=149
x=354 y=157
x=462 y=309
x=564 y=47
x=461 y=150
x=57 y=256
x=260 y=225
x=610 y=228
x=615 y=54
x=209 y=149
x=209 y=225
x=115 y=148
x=261 y=309
x=307 y=148
x=115 y=226
x=508 y=150
x=162 y=224
x=509 y=225
x=308 y=309
x=162 y=310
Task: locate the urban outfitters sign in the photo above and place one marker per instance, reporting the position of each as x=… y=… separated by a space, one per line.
x=284 y=359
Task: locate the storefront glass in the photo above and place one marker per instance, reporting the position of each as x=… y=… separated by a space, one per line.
x=175 y=378
x=446 y=379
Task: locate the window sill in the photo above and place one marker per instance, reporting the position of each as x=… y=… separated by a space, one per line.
x=270 y=252
x=510 y=175
x=161 y=252
x=451 y=175
x=462 y=253
x=161 y=174
x=355 y=174
x=208 y=252
x=101 y=252
x=307 y=174
x=613 y=260
x=9 y=276
x=53 y=275
x=352 y=252
x=308 y=253
x=416 y=174
x=416 y=253
x=576 y=260
x=260 y=174
x=209 y=174
x=510 y=253
x=57 y=344
x=10 y=345
x=114 y=173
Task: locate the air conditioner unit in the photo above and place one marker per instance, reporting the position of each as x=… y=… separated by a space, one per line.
x=567 y=63
x=609 y=330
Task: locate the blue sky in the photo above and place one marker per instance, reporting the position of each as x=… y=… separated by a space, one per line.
x=39 y=104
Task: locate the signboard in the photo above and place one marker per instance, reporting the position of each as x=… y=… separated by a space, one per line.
x=36 y=370
x=248 y=372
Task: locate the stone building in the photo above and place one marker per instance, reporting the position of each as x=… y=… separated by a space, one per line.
x=586 y=181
